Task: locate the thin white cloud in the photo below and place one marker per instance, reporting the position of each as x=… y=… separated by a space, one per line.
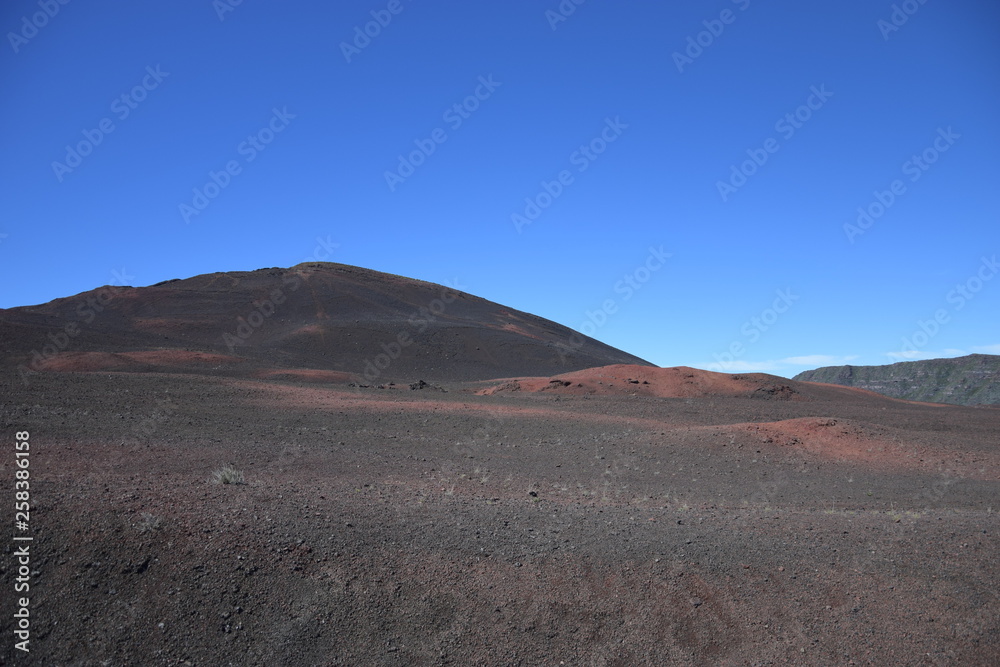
x=920 y=355
x=779 y=365
x=912 y=355
x=786 y=365
x=817 y=360
x=740 y=366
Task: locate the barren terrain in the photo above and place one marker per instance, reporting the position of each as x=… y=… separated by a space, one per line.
x=817 y=525
x=502 y=492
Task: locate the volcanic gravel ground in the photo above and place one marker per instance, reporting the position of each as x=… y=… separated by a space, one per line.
x=398 y=527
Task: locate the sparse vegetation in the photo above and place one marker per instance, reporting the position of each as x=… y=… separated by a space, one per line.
x=148 y=522
x=227 y=474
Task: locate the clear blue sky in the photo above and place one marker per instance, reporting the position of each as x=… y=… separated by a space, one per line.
x=310 y=117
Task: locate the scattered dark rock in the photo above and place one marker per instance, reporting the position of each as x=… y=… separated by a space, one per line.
x=420 y=384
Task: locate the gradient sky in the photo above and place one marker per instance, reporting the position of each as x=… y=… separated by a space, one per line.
x=618 y=120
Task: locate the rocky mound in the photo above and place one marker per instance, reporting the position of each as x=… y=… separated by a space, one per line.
x=676 y=382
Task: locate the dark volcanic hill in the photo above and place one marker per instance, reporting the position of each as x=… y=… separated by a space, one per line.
x=337 y=321
x=969 y=380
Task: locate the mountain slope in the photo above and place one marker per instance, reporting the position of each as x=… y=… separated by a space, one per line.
x=323 y=316
x=969 y=380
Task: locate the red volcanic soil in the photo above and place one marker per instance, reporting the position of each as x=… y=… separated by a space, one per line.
x=145 y=360
x=676 y=382
x=700 y=519
x=627 y=379
x=308 y=375
x=179 y=361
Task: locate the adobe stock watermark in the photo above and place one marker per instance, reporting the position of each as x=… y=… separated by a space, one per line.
x=363 y=36
x=753 y=329
x=485 y=435
x=581 y=158
x=86 y=312
x=901 y=13
x=21 y=556
x=696 y=44
x=122 y=106
x=562 y=12
x=627 y=287
x=958 y=297
x=454 y=116
x=914 y=168
x=31 y=25
x=418 y=322
x=223 y=7
x=769 y=487
x=248 y=149
x=786 y=126
x=164 y=410
x=263 y=309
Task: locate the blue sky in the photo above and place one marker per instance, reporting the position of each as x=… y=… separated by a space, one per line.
x=680 y=180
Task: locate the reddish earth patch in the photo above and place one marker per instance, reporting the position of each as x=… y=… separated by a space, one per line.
x=308 y=375
x=164 y=325
x=68 y=362
x=841 y=440
x=400 y=400
x=520 y=330
x=677 y=382
x=310 y=329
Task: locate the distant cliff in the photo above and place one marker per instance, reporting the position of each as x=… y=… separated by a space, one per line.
x=969 y=380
